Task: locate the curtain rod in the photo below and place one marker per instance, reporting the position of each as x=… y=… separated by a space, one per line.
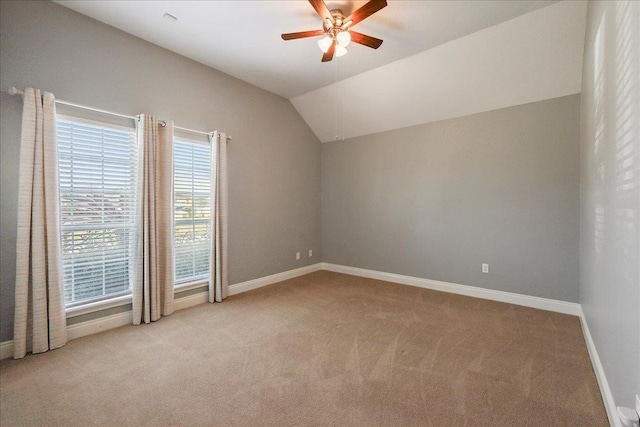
x=15 y=91
x=163 y=124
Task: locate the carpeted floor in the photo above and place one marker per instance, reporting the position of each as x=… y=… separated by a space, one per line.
x=325 y=349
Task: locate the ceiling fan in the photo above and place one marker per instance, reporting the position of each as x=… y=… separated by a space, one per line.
x=336 y=28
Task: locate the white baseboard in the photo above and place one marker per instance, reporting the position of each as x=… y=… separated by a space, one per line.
x=454 y=288
x=274 y=278
x=125 y=318
x=6 y=350
x=80 y=330
x=508 y=297
x=191 y=300
x=101 y=324
x=122 y=319
x=607 y=396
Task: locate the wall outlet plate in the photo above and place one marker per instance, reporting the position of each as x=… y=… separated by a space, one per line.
x=638 y=403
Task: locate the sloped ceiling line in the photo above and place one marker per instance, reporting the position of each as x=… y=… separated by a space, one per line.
x=439 y=60
x=530 y=58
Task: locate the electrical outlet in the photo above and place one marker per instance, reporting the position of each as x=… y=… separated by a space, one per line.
x=310 y=253
x=297 y=255
x=485 y=268
x=638 y=403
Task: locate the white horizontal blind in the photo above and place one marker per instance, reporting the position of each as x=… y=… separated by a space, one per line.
x=98 y=167
x=192 y=213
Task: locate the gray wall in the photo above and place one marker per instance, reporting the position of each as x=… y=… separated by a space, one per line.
x=610 y=194
x=438 y=200
x=274 y=158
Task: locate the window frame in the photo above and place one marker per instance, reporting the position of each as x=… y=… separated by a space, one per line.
x=196 y=281
x=116 y=299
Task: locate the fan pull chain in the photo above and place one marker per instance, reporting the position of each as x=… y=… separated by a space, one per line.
x=339 y=88
x=335 y=96
x=342 y=91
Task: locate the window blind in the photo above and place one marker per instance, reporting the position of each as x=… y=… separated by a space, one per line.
x=98 y=167
x=192 y=211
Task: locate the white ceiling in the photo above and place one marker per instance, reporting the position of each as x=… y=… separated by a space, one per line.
x=530 y=58
x=242 y=38
x=439 y=59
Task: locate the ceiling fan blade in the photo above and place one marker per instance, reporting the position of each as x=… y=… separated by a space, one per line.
x=302 y=34
x=321 y=9
x=365 y=11
x=365 y=40
x=328 y=56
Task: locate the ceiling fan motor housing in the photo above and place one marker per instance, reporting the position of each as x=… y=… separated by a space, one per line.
x=332 y=29
x=338 y=18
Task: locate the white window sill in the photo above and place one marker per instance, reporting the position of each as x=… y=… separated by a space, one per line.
x=92 y=307
x=98 y=306
x=191 y=285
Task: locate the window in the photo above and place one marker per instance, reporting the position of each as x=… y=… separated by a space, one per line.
x=192 y=210
x=98 y=165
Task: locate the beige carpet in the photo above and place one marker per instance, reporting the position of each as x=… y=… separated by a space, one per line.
x=324 y=349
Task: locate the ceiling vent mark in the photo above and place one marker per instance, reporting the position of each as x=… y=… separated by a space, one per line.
x=169 y=17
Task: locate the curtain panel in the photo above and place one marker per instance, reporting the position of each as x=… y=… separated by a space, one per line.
x=154 y=277
x=39 y=322
x=219 y=282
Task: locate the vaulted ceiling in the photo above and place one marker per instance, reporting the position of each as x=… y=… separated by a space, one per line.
x=439 y=59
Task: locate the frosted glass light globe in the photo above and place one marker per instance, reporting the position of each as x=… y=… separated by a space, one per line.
x=325 y=43
x=344 y=38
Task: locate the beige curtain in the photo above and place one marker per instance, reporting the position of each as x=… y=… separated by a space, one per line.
x=40 y=322
x=153 y=286
x=219 y=283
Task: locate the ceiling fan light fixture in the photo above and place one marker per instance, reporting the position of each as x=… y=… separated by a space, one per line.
x=325 y=43
x=343 y=38
x=336 y=28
